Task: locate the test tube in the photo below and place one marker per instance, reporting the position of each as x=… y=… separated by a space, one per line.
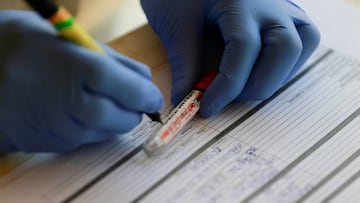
x=178 y=117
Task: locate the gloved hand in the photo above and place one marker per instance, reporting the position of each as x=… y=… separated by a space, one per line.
x=255 y=45
x=56 y=96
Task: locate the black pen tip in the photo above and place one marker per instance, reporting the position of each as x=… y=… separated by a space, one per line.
x=155 y=117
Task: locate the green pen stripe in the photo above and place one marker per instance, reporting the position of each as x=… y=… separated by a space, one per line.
x=64 y=24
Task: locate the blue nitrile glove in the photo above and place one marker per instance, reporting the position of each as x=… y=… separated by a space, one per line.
x=56 y=96
x=256 y=46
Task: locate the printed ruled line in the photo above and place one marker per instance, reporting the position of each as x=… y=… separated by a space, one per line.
x=312 y=132
x=336 y=171
x=303 y=156
x=324 y=159
x=345 y=185
x=102 y=175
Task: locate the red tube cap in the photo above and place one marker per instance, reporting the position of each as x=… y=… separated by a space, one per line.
x=205 y=81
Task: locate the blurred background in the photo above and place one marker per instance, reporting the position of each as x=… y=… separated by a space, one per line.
x=105 y=20
x=338 y=20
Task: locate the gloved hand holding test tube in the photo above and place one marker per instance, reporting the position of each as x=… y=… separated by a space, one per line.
x=178 y=117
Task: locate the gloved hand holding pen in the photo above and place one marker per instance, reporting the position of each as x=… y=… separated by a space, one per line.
x=57 y=96
x=260 y=45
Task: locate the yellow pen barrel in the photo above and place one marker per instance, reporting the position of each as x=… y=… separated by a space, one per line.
x=72 y=31
x=78 y=35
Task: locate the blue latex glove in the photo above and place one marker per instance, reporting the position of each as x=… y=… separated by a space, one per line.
x=56 y=96
x=255 y=45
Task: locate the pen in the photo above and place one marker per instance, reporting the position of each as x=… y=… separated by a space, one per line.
x=67 y=28
x=178 y=117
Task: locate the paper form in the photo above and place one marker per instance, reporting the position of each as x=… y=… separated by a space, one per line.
x=285 y=151
x=303 y=144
